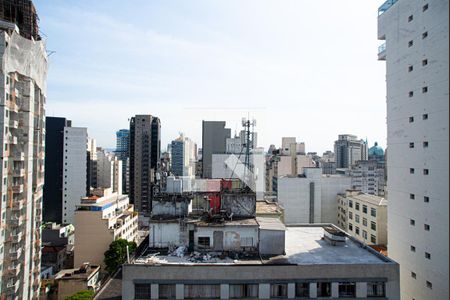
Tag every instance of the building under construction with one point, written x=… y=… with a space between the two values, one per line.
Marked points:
x=23 y=14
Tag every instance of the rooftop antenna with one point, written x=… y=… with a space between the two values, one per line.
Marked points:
x=246 y=123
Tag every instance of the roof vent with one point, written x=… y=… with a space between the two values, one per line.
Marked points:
x=334 y=236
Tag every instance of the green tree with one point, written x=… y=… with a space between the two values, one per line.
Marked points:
x=82 y=295
x=117 y=254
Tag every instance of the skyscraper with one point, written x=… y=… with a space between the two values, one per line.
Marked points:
x=348 y=150
x=214 y=136
x=416 y=55
x=183 y=156
x=145 y=152
x=123 y=153
x=22 y=122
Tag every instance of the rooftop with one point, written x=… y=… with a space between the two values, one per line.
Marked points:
x=371 y=199
x=304 y=245
x=267 y=207
x=83 y=272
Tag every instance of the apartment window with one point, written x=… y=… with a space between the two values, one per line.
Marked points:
x=357 y=205
x=425 y=117
x=429 y=285
x=426 y=227
x=426 y=199
x=302 y=289
x=350 y=203
x=424 y=62
x=350 y=226
x=203 y=241
x=412 y=222
x=373 y=239
x=411 y=145
x=364 y=209
x=142 y=291
x=350 y=215
x=357 y=230
x=357 y=218
x=411 y=119
x=425 y=7
x=410 y=68
x=411 y=170
x=278 y=290
x=427 y=255
x=373 y=212
x=347 y=289
x=424 y=35
x=373 y=225
x=364 y=221
x=410 y=18
x=410 y=94
x=324 y=289
x=364 y=234
x=410 y=43
x=413 y=275
x=425 y=89
x=412 y=248
x=376 y=289
x=425 y=144
x=412 y=196
x=426 y=171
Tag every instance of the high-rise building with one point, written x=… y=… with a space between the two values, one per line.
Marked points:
x=145 y=152
x=22 y=136
x=109 y=171
x=348 y=150
x=123 y=153
x=214 y=137
x=183 y=156
x=92 y=165
x=416 y=52
x=368 y=177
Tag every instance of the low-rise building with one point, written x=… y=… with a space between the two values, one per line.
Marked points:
x=363 y=216
x=319 y=261
x=100 y=220
x=71 y=281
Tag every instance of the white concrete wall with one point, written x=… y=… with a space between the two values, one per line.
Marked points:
x=74 y=172
x=230 y=235
x=330 y=187
x=395 y=28
x=164 y=234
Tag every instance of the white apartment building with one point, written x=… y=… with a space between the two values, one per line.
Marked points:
x=416 y=52
x=363 y=216
x=75 y=170
x=23 y=87
x=109 y=171
x=311 y=197
x=100 y=220
x=368 y=177
x=183 y=156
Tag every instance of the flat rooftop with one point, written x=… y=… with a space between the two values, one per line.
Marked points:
x=304 y=246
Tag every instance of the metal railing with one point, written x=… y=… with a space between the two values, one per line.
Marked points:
x=385 y=6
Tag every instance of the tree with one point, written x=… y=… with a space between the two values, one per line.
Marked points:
x=117 y=254
x=82 y=295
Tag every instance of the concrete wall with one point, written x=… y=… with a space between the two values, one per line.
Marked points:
x=239 y=204
x=271 y=242
x=163 y=235
x=234 y=237
x=172 y=208
x=331 y=186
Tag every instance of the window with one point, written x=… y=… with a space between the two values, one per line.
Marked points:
x=324 y=289
x=411 y=119
x=347 y=289
x=424 y=35
x=376 y=289
x=411 y=145
x=364 y=209
x=278 y=290
x=357 y=218
x=357 y=205
x=364 y=234
x=350 y=203
x=302 y=289
x=424 y=62
x=373 y=225
x=350 y=215
x=142 y=291
x=410 y=43
x=350 y=226
x=425 y=117
x=202 y=291
x=364 y=221
x=203 y=241
x=425 y=89
x=425 y=144
x=410 y=18
x=426 y=199
x=426 y=227
x=412 y=222
x=426 y=171
x=411 y=170
x=429 y=285
x=412 y=248
x=412 y=196
x=373 y=212
x=373 y=239
x=410 y=94
x=357 y=230
x=413 y=275
x=166 y=291
x=410 y=68
x=425 y=7
x=427 y=255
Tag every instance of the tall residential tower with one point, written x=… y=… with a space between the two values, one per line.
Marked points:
x=416 y=55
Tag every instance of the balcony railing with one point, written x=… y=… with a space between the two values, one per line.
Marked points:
x=385 y=6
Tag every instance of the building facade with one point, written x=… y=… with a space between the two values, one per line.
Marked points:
x=22 y=137
x=214 y=137
x=416 y=52
x=145 y=152
x=109 y=171
x=348 y=150
x=368 y=177
x=123 y=153
x=183 y=156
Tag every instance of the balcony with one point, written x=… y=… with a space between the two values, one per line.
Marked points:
x=17 y=188
x=14 y=269
x=12 y=106
x=19 y=156
x=382 y=52
x=17 y=237
x=385 y=6
x=12 y=140
x=15 y=253
x=17 y=221
x=18 y=172
x=14 y=124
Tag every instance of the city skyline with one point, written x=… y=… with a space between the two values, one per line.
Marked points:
x=208 y=62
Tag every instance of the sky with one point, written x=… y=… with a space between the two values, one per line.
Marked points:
x=306 y=69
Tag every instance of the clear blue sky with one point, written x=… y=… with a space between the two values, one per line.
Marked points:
x=307 y=69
